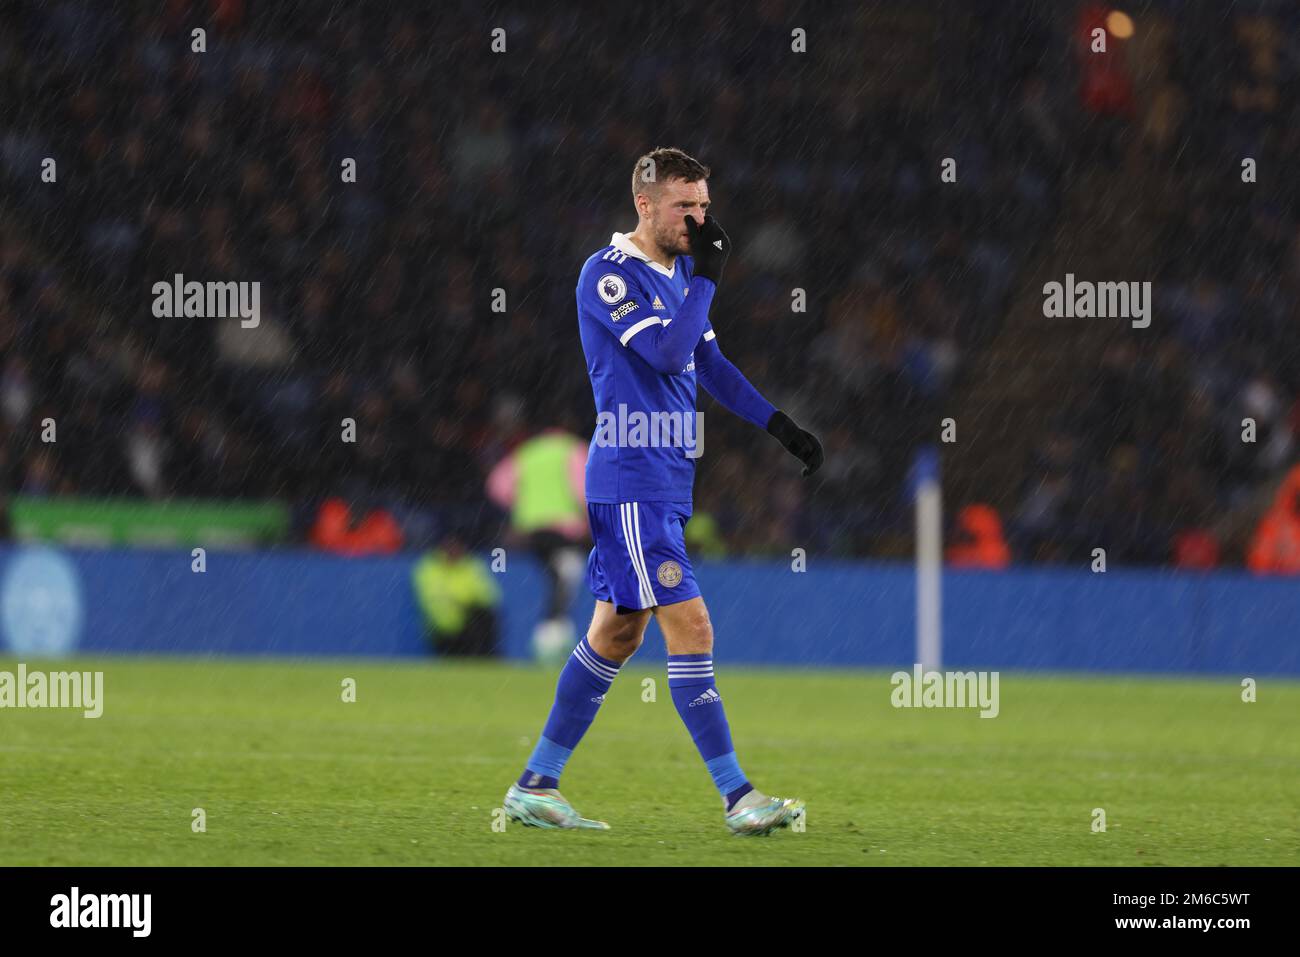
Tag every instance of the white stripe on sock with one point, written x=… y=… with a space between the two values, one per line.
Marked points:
x=594 y=666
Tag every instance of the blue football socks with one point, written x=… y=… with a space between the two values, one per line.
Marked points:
x=690 y=681
x=584 y=681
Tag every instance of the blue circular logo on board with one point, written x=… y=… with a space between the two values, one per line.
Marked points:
x=41 y=609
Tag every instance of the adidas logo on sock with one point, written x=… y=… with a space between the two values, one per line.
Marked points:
x=709 y=697
x=599 y=700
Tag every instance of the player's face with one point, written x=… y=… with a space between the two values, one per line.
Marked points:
x=676 y=201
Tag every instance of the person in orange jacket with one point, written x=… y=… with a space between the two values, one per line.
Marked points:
x=1275 y=547
x=979 y=541
x=376 y=534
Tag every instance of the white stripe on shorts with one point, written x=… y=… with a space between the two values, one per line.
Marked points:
x=632 y=534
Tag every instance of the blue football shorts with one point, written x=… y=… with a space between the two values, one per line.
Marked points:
x=639 y=559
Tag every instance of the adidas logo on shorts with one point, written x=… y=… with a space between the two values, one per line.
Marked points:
x=709 y=697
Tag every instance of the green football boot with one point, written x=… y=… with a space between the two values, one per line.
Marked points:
x=538 y=807
x=757 y=814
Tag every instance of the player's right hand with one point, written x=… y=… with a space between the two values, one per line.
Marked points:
x=710 y=247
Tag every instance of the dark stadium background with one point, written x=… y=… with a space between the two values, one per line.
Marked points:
x=478 y=172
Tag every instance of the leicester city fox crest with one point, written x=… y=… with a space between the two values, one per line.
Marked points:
x=670 y=574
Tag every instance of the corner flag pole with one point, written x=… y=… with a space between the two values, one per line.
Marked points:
x=929 y=559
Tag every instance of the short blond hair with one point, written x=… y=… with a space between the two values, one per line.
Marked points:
x=662 y=164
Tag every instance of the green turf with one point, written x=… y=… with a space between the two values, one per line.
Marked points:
x=410 y=774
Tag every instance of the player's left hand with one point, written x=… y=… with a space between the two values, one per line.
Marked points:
x=800 y=443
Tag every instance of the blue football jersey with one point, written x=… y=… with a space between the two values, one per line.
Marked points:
x=646 y=438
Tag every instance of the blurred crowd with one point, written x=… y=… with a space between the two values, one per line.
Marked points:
x=479 y=171
x=1180 y=450
x=475 y=172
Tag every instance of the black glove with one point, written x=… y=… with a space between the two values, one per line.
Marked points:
x=802 y=445
x=710 y=247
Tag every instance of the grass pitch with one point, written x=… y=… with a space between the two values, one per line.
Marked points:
x=411 y=773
